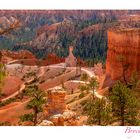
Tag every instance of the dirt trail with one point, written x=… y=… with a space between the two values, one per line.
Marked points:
x=42 y=72
x=95 y=92
x=14 y=94
x=57 y=80
x=12 y=112
x=71 y=105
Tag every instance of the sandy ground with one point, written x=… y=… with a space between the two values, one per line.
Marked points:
x=57 y=80
x=11 y=85
x=12 y=112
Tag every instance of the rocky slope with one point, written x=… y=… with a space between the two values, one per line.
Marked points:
x=123 y=52
x=11 y=85
x=54 y=31
x=27 y=58
x=55 y=15
x=23 y=54
x=6 y=23
x=51 y=59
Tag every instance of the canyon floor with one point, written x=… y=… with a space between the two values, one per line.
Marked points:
x=49 y=77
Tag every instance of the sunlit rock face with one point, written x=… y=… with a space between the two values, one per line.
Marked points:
x=70 y=60
x=67 y=118
x=56 y=101
x=123 y=50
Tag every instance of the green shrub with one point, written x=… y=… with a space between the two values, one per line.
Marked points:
x=8 y=101
x=81 y=95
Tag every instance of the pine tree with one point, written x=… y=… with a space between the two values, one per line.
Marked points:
x=84 y=77
x=124 y=104
x=93 y=84
x=36 y=104
x=98 y=111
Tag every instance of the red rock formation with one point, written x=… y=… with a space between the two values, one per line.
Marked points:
x=5 y=59
x=98 y=69
x=27 y=58
x=8 y=24
x=23 y=54
x=49 y=29
x=46 y=123
x=23 y=57
x=68 y=118
x=42 y=29
x=90 y=29
x=57 y=120
x=51 y=59
x=123 y=43
x=70 y=60
x=56 y=101
x=81 y=62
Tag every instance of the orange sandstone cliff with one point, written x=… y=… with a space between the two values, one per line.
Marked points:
x=123 y=43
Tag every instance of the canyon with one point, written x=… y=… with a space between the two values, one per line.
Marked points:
x=60 y=52
x=42 y=32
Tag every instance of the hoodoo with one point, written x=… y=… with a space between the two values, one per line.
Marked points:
x=70 y=60
x=123 y=54
x=56 y=101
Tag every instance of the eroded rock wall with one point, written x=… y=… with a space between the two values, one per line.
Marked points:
x=56 y=102
x=123 y=43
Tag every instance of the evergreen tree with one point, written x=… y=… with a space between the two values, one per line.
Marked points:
x=36 y=104
x=124 y=104
x=84 y=77
x=82 y=88
x=98 y=111
x=93 y=84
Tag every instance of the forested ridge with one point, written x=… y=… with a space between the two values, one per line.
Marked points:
x=85 y=30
